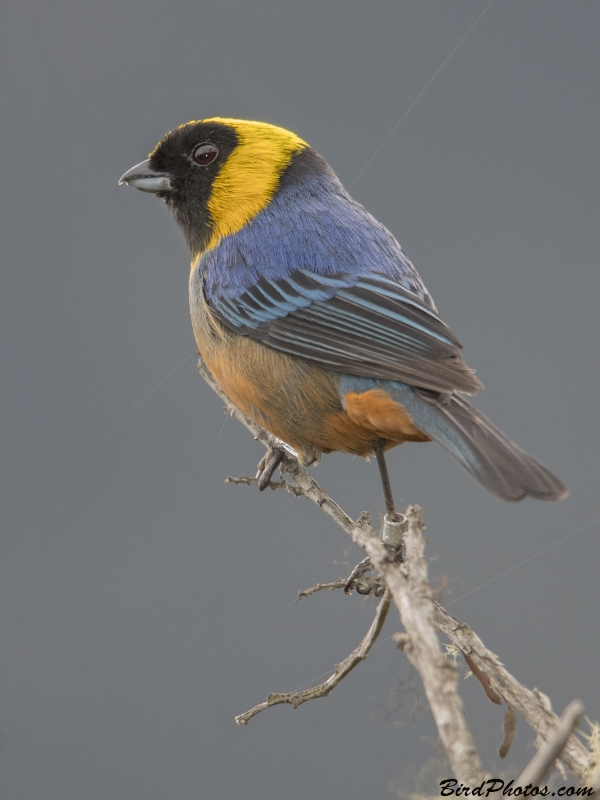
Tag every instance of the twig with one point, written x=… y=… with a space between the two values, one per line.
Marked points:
x=339 y=584
x=246 y=481
x=539 y=765
x=296 y=699
x=533 y=706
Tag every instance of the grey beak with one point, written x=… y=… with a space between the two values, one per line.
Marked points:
x=145 y=179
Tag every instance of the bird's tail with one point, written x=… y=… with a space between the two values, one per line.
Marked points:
x=483 y=450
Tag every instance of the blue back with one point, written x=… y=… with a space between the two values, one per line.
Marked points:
x=313 y=225
x=313 y=275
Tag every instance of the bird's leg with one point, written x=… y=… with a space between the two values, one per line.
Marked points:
x=268 y=464
x=378 y=446
x=391 y=534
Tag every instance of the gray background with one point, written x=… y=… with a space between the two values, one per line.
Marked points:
x=143 y=603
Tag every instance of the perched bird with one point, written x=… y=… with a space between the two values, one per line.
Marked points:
x=308 y=313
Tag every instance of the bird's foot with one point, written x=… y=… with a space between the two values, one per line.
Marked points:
x=359 y=580
x=268 y=464
x=371 y=584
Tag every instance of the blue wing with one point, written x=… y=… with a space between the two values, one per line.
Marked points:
x=364 y=324
x=317 y=277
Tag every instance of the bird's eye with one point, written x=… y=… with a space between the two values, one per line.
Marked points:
x=204 y=154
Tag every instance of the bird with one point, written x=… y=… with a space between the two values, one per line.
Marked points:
x=310 y=316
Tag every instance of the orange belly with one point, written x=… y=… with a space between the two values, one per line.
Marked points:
x=296 y=401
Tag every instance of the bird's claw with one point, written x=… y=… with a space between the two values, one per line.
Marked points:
x=356 y=575
x=370 y=584
x=268 y=464
x=363 y=583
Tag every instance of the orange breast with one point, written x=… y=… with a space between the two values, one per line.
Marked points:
x=298 y=402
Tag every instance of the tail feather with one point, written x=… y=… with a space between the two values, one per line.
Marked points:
x=483 y=450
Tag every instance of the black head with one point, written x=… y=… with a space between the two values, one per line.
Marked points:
x=217 y=174
x=192 y=157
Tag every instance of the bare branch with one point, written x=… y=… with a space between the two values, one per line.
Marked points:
x=533 y=705
x=339 y=584
x=246 y=481
x=359 y=654
x=412 y=594
x=539 y=765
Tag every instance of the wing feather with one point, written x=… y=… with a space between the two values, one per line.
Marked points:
x=363 y=324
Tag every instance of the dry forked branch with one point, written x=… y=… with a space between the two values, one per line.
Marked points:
x=408 y=586
x=342 y=669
